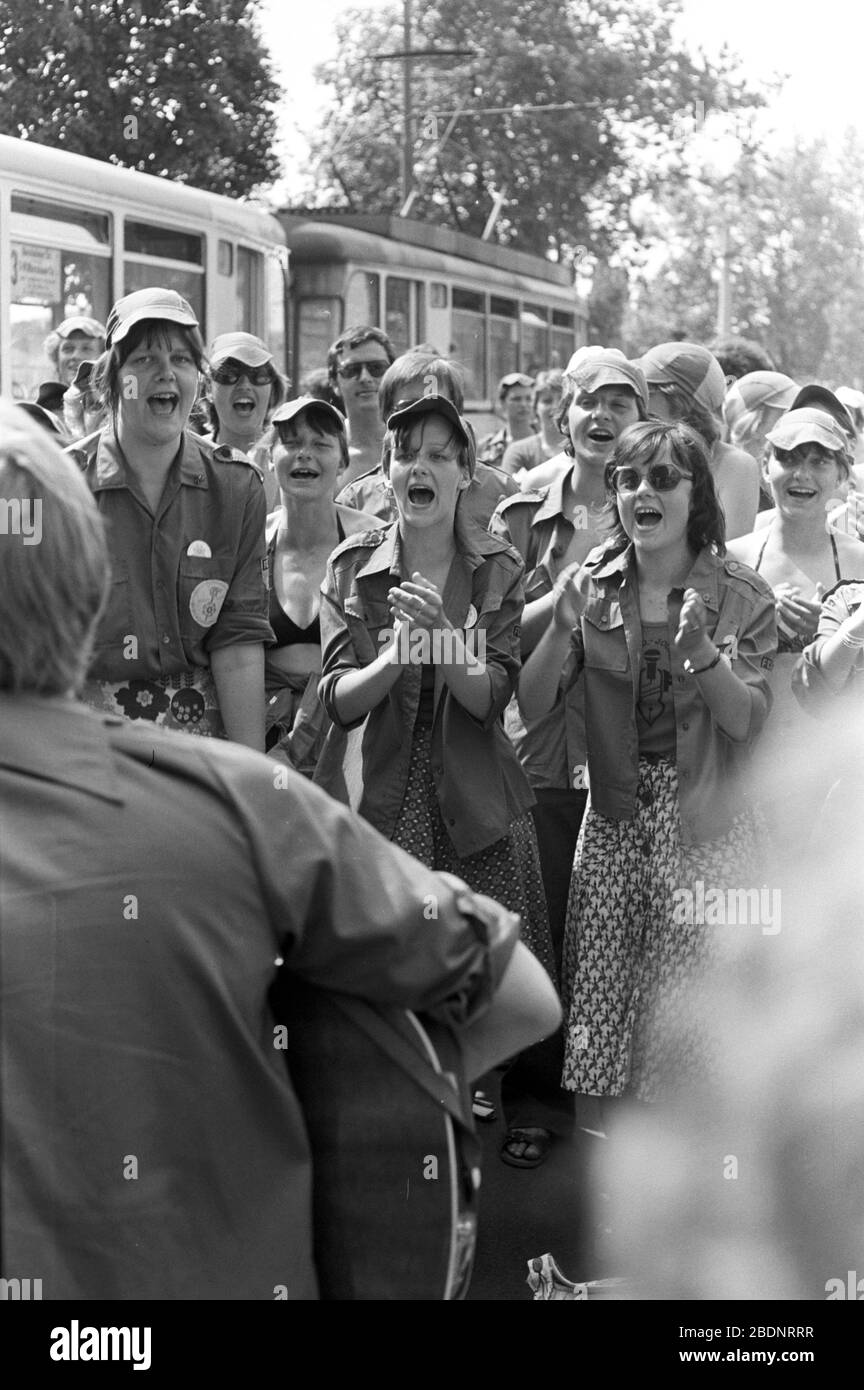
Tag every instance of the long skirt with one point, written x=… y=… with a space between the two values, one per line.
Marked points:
x=639 y=942
x=508 y=871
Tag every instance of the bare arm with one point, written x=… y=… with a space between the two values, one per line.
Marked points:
x=238 y=674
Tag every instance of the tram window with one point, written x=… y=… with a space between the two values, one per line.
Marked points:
x=503 y=308
x=437 y=295
x=535 y=339
x=503 y=348
x=60 y=266
x=561 y=319
x=363 y=299
x=469 y=348
x=250 y=266
x=397 y=313
x=318 y=324
x=225 y=258
x=469 y=299
x=142 y=275
x=142 y=239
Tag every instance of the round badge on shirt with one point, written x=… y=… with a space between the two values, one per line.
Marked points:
x=205 y=603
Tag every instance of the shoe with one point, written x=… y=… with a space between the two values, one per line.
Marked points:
x=483 y=1109
x=534 y=1144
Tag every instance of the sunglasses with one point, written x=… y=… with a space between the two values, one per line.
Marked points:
x=229 y=376
x=352 y=371
x=663 y=477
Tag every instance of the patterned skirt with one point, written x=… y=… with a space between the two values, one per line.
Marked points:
x=508 y=871
x=187 y=702
x=639 y=942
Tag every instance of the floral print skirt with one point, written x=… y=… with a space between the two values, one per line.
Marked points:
x=186 y=702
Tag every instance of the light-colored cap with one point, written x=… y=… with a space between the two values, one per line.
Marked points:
x=243 y=347
x=808 y=426
x=154 y=303
x=91 y=328
x=593 y=367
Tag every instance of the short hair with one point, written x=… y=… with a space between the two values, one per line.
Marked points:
x=317 y=383
x=739 y=356
x=447 y=379
x=278 y=392
x=688 y=411
x=319 y=419
x=552 y=380
x=106 y=374
x=638 y=446
x=570 y=389
x=354 y=337
x=51 y=346
x=399 y=437
x=51 y=591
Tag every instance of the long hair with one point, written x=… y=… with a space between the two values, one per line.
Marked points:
x=54 y=566
x=673 y=442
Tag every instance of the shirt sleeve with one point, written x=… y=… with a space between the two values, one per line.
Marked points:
x=338 y=651
x=356 y=914
x=503 y=629
x=243 y=616
x=756 y=647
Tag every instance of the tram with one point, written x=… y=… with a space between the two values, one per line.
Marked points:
x=76 y=234
x=493 y=309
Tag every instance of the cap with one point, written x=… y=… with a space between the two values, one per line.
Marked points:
x=43 y=416
x=755 y=390
x=514 y=379
x=593 y=367
x=50 y=395
x=808 y=426
x=691 y=367
x=91 y=328
x=289 y=409
x=823 y=399
x=438 y=405
x=243 y=347
x=148 y=304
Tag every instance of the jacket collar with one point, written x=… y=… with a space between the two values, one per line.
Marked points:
x=553 y=503
x=472 y=543
x=704 y=574
x=111 y=469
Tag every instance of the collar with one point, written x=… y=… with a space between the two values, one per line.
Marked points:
x=472 y=543
x=59 y=740
x=111 y=469
x=704 y=574
x=553 y=503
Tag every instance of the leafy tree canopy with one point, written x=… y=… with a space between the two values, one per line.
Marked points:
x=173 y=87
x=625 y=87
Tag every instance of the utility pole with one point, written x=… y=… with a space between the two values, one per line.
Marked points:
x=407 y=143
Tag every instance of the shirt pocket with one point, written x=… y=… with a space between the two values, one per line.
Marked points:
x=604 y=638
x=202 y=588
x=118 y=620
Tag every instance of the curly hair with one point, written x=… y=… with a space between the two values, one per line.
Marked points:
x=674 y=442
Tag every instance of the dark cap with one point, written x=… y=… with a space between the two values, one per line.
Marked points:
x=438 y=405
x=50 y=395
x=289 y=409
x=689 y=366
x=823 y=399
x=154 y=303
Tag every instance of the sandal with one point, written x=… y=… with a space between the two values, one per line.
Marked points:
x=538 y=1140
x=483 y=1109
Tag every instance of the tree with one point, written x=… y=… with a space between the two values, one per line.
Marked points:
x=795 y=223
x=611 y=85
x=174 y=87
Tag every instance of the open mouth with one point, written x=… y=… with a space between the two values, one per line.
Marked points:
x=163 y=402
x=601 y=436
x=303 y=473
x=420 y=496
x=802 y=493
x=647 y=517
x=243 y=407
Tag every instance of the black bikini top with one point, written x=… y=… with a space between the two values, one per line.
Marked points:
x=285 y=630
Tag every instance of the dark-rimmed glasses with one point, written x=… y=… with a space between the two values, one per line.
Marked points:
x=351 y=371
x=663 y=477
x=230 y=375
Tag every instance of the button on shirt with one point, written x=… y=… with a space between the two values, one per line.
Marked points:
x=480 y=785
x=605 y=660
x=151 y=889
x=169 y=609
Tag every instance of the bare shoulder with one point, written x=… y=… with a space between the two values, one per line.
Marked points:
x=732 y=461
x=850 y=553
x=745 y=549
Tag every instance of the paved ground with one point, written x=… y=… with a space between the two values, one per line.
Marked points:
x=529 y=1212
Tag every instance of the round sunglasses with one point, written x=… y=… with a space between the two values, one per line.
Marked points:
x=663 y=477
x=229 y=376
x=351 y=370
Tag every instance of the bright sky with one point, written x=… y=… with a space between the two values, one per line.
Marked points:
x=820 y=48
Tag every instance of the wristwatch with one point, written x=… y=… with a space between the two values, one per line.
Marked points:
x=700 y=670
